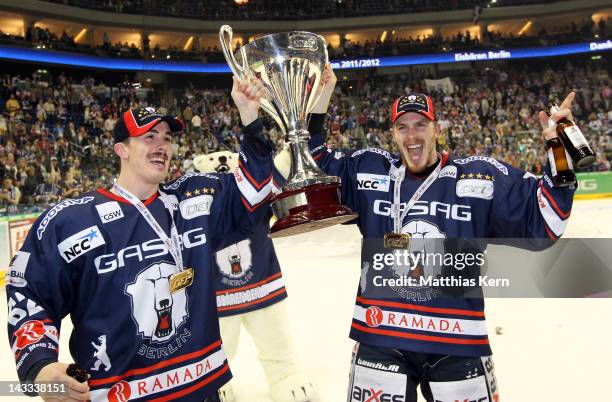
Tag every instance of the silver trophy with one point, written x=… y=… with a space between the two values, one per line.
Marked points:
x=290 y=66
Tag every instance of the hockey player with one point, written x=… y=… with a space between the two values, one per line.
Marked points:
x=133 y=267
x=439 y=343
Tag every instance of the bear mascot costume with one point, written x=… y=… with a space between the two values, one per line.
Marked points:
x=251 y=294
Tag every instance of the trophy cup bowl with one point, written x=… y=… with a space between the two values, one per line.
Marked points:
x=290 y=66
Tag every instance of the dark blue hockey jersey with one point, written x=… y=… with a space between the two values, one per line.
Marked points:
x=249 y=277
x=473 y=197
x=98 y=260
x=249 y=274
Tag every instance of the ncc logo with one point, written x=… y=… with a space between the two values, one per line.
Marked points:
x=373 y=182
x=80 y=243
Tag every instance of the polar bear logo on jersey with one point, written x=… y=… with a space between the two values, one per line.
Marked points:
x=426 y=239
x=157 y=312
x=235 y=260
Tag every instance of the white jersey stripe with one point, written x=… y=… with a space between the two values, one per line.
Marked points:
x=421 y=322
x=164 y=381
x=248 y=191
x=554 y=222
x=249 y=295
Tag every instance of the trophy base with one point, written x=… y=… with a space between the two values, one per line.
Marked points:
x=310 y=208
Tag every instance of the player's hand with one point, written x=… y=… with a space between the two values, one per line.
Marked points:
x=564 y=111
x=247 y=97
x=328 y=81
x=56 y=373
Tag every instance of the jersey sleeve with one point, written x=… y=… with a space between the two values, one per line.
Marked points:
x=332 y=162
x=40 y=287
x=246 y=192
x=525 y=206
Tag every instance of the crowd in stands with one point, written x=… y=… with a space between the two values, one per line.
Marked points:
x=393 y=45
x=462 y=41
x=283 y=10
x=56 y=133
x=492 y=113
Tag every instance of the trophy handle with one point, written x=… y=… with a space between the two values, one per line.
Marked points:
x=226 y=46
x=326 y=53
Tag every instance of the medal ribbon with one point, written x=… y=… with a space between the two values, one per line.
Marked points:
x=173 y=242
x=398 y=178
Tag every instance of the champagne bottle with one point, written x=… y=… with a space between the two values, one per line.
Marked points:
x=560 y=162
x=573 y=140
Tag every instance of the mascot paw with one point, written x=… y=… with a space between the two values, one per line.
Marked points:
x=294 y=388
x=227 y=393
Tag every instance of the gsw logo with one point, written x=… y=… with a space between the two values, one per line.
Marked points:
x=109 y=211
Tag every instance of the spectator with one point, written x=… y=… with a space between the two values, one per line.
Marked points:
x=30 y=185
x=54 y=171
x=10 y=168
x=47 y=193
x=72 y=188
x=109 y=123
x=9 y=196
x=13 y=105
x=196 y=124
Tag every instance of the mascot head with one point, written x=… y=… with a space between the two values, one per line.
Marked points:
x=225 y=161
x=219 y=162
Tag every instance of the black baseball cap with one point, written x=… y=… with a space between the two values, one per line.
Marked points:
x=136 y=122
x=418 y=103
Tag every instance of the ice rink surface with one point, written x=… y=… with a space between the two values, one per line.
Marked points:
x=551 y=350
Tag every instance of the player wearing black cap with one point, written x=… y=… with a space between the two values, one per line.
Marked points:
x=132 y=265
x=415 y=335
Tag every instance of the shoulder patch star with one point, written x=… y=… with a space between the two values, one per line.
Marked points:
x=205 y=190
x=462 y=176
x=471 y=175
x=196 y=192
x=212 y=190
x=188 y=194
x=479 y=176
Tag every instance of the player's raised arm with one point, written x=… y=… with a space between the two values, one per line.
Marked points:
x=247 y=190
x=528 y=207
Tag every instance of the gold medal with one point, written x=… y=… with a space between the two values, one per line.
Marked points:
x=397 y=240
x=181 y=280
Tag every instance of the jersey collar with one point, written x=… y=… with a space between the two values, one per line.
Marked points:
x=116 y=197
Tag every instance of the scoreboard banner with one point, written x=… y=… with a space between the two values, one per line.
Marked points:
x=594 y=185
x=81 y=60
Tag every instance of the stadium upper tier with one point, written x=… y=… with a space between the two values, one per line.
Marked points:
x=282 y=10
